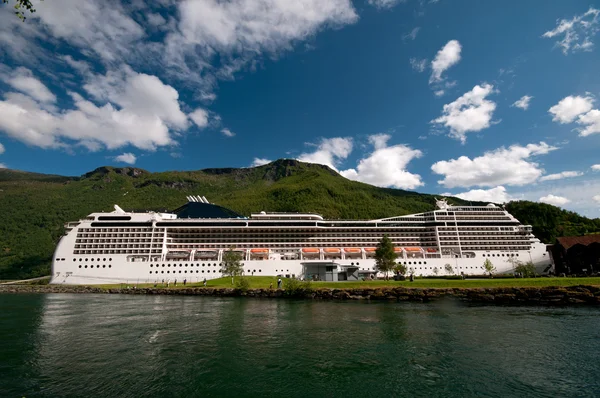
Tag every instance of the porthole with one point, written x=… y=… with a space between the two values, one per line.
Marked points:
x=185 y=272
x=110 y=259
x=202 y=271
x=214 y=271
x=80 y=266
x=163 y=265
x=151 y=265
x=86 y=266
x=259 y=270
x=74 y=259
x=168 y=272
x=150 y=271
x=103 y=259
x=196 y=271
x=86 y=259
x=109 y=266
x=169 y=265
x=203 y=264
x=424 y=262
x=104 y=266
x=181 y=265
x=162 y=272
x=186 y=265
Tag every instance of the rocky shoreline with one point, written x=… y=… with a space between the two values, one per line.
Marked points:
x=548 y=296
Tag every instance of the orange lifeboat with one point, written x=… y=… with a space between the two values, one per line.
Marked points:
x=351 y=250
x=310 y=250
x=370 y=249
x=412 y=249
x=259 y=251
x=397 y=249
x=331 y=250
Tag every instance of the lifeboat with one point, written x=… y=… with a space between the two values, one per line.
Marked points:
x=205 y=253
x=370 y=249
x=431 y=250
x=333 y=250
x=398 y=249
x=259 y=251
x=310 y=250
x=351 y=250
x=412 y=249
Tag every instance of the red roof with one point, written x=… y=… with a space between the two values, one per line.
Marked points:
x=569 y=241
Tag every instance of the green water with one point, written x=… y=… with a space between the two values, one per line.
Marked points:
x=130 y=346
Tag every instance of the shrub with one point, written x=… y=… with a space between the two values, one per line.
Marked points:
x=294 y=287
x=242 y=284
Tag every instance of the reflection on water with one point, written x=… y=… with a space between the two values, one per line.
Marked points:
x=111 y=345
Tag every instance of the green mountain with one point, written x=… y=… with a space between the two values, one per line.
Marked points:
x=35 y=206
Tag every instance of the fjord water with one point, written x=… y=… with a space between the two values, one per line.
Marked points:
x=129 y=346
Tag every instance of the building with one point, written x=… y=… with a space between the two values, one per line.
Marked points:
x=577 y=254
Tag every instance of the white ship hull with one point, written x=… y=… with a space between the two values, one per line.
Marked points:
x=153 y=247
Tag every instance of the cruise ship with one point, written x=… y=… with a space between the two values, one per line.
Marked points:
x=189 y=243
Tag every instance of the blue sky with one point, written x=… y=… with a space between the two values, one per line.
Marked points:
x=484 y=100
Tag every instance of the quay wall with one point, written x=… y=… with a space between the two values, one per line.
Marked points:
x=545 y=296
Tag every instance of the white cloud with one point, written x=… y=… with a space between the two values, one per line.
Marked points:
x=418 y=64
x=503 y=166
x=227 y=133
x=22 y=79
x=329 y=152
x=577 y=32
x=523 y=102
x=591 y=121
x=595 y=167
x=568 y=108
x=412 y=34
x=470 y=112
x=101 y=27
x=259 y=162
x=3 y=166
x=439 y=93
x=136 y=109
x=596 y=198
x=561 y=175
x=554 y=200
x=199 y=117
x=127 y=157
x=495 y=195
x=386 y=166
x=448 y=56
x=1 y=149
x=385 y=3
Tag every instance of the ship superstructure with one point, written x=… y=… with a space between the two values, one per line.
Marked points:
x=189 y=243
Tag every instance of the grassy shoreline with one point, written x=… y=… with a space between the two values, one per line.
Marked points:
x=263 y=282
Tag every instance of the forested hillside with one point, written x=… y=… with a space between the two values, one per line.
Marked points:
x=35 y=206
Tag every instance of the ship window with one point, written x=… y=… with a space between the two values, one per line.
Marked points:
x=80 y=266
x=180 y=271
x=202 y=271
x=86 y=259
x=74 y=259
x=163 y=265
x=203 y=264
x=104 y=266
x=150 y=271
x=109 y=266
x=86 y=266
x=214 y=271
x=162 y=272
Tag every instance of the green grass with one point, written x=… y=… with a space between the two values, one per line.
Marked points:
x=262 y=282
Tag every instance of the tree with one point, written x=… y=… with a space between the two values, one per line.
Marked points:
x=385 y=257
x=488 y=266
x=449 y=268
x=526 y=269
x=232 y=265
x=400 y=269
x=20 y=6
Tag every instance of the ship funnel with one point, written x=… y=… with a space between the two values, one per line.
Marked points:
x=205 y=201
x=119 y=210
